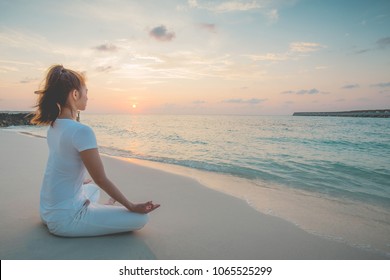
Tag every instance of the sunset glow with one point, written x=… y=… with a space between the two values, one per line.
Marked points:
x=201 y=57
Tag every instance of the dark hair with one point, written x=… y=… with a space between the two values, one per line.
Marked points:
x=58 y=84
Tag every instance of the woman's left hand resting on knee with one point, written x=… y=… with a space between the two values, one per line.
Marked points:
x=93 y=163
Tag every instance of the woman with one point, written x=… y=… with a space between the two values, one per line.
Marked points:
x=69 y=205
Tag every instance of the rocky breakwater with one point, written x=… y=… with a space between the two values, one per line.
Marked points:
x=14 y=118
x=385 y=113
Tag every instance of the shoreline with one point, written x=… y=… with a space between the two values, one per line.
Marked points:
x=175 y=187
x=315 y=213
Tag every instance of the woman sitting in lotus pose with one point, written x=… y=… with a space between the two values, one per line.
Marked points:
x=69 y=205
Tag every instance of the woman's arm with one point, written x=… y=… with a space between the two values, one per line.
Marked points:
x=93 y=163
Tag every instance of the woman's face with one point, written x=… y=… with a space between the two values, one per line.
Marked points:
x=81 y=103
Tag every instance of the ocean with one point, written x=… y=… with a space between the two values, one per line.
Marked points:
x=345 y=158
x=330 y=176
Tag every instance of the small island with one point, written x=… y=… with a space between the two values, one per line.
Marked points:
x=385 y=113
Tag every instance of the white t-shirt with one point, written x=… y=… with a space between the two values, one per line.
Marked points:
x=62 y=193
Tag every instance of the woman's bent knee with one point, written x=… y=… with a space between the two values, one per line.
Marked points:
x=142 y=220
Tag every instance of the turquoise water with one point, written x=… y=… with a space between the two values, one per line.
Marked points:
x=341 y=157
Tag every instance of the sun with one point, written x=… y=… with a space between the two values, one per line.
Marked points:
x=134 y=106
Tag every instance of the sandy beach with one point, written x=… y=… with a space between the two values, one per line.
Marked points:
x=194 y=222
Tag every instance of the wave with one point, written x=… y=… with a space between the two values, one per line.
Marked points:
x=322 y=177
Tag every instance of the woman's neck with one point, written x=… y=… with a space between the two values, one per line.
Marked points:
x=67 y=113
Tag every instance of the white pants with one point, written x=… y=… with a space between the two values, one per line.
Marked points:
x=95 y=219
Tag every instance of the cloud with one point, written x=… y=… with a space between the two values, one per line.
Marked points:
x=273 y=15
x=193 y=3
x=28 y=80
x=161 y=33
x=31 y=42
x=198 y=102
x=304 y=91
x=383 y=43
x=381 y=85
x=15 y=62
x=106 y=48
x=236 y=6
x=226 y=6
x=6 y=69
x=305 y=47
x=380 y=44
x=296 y=49
x=16 y=39
x=106 y=68
x=350 y=86
x=252 y=101
x=262 y=6
x=362 y=51
x=208 y=26
x=270 y=57
x=310 y=91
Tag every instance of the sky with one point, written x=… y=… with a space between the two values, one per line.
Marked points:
x=244 y=57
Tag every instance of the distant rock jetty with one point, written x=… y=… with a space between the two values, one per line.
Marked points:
x=359 y=113
x=14 y=118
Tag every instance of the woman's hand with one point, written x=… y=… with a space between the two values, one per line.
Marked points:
x=93 y=163
x=144 y=208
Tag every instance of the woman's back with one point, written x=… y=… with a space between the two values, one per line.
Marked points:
x=65 y=171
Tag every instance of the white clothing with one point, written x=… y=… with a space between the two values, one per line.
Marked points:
x=67 y=206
